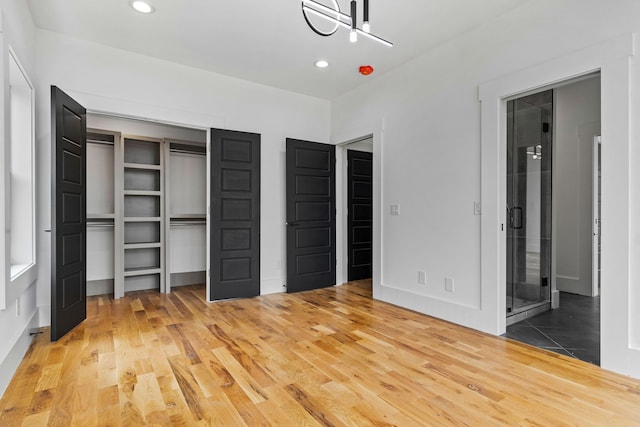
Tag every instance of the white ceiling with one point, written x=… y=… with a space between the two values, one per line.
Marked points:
x=265 y=41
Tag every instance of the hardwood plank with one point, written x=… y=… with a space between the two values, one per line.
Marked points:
x=327 y=357
x=318 y=410
x=36 y=420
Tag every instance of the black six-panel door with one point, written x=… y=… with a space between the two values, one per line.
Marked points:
x=68 y=214
x=235 y=218
x=311 y=215
x=359 y=223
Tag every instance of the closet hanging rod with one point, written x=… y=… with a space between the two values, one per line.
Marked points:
x=95 y=141
x=178 y=150
x=186 y=223
x=99 y=224
x=188 y=217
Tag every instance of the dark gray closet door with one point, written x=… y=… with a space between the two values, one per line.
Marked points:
x=311 y=215
x=68 y=214
x=360 y=219
x=235 y=214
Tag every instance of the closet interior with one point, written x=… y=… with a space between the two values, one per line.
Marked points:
x=146 y=206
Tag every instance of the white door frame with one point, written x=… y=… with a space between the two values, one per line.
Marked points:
x=342 y=220
x=612 y=59
x=374 y=130
x=596 y=220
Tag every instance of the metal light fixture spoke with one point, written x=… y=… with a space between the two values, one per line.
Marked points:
x=340 y=19
x=365 y=17
x=353 y=35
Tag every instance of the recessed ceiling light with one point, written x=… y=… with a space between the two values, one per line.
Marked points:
x=142 y=6
x=321 y=63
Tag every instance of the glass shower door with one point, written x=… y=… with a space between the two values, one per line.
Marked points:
x=529 y=121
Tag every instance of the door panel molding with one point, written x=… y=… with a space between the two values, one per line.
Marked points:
x=311 y=215
x=235 y=215
x=68 y=214
x=360 y=214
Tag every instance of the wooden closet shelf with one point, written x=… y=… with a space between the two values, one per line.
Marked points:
x=142 y=219
x=142 y=166
x=141 y=271
x=142 y=245
x=91 y=216
x=142 y=193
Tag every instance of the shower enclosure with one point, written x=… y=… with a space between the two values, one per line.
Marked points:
x=529 y=151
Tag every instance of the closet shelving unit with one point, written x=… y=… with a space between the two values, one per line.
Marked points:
x=102 y=205
x=185 y=208
x=133 y=225
x=142 y=214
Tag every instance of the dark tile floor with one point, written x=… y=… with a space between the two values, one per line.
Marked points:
x=572 y=330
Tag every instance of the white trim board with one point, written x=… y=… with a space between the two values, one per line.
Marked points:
x=10 y=363
x=375 y=131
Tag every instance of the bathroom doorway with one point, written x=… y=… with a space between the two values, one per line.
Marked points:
x=553 y=218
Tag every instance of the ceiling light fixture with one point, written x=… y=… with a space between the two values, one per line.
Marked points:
x=365 y=17
x=142 y=6
x=321 y=63
x=334 y=15
x=353 y=35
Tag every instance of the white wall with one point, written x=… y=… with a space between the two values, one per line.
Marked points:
x=110 y=80
x=576 y=122
x=426 y=121
x=16 y=30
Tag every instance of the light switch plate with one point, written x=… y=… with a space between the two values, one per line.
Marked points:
x=422 y=277
x=395 y=209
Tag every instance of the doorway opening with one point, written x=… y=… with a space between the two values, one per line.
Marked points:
x=553 y=218
x=357 y=199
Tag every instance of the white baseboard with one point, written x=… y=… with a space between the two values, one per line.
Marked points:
x=188 y=278
x=44 y=317
x=10 y=363
x=573 y=285
x=272 y=285
x=555 y=299
x=100 y=287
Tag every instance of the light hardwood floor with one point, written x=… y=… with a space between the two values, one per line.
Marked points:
x=329 y=357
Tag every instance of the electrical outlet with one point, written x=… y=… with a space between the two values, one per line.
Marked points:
x=448 y=284
x=422 y=277
x=476 y=208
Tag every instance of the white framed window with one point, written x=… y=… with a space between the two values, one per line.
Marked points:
x=21 y=212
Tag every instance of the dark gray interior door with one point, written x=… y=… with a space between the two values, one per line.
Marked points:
x=360 y=216
x=68 y=214
x=311 y=215
x=235 y=215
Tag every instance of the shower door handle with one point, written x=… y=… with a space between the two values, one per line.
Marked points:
x=517 y=225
